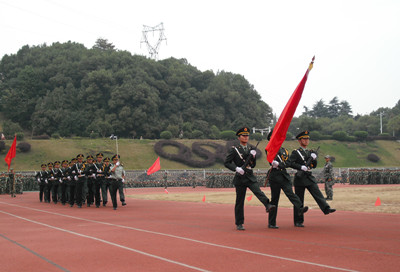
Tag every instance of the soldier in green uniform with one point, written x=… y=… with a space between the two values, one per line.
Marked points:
x=106 y=185
x=79 y=172
x=91 y=179
x=279 y=179
x=303 y=160
x=328 y=178
x=100 y=178
x=244 y=177
x=117 y=181
x=56 y=182
x=51 y=177
x=41 y=177
x=64 y=180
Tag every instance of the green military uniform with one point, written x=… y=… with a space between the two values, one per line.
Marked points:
x=117 y=181
x=41 y=177
x=77 y=187
x=244 y=178
x=328 y=178
x=106 y=184
x=302 y=160
x=279 y=179
x=100 y=177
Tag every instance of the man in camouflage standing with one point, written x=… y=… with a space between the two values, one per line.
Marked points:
x=328 y=178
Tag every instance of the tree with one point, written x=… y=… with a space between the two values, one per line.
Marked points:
x=319 y=110
x=333 y=108
x=394 y=125
x=103 y=44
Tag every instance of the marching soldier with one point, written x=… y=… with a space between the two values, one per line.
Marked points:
x=65 y=179
x=106 y=185
x=279 y=179
x=91 y=179
x=51 y=177
x=41 y=177
x=303 y=160
x=79 y=172
x=328 y=178
x=117 y=181
x=244 y=178
x=56 y=183
x=100 y=177
x=71 y=192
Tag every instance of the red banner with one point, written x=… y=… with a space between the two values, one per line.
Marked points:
x=279 y=133
x=11 y=153
x=155 y=167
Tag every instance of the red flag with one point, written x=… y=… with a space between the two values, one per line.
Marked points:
x=11 y=153
x=204 y=198
x=279 y=134
x=378 y=202
x=155 y=167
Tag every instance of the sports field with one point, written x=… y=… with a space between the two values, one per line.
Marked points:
x=152 y=233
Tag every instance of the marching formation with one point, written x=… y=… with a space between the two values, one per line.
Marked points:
x=79 y=182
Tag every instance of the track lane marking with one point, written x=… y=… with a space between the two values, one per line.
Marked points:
x=176 y=237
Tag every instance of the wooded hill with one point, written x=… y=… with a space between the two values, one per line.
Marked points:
x=68 y=90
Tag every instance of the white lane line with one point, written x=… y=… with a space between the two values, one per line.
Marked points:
x=193 y=240
x=109 y=243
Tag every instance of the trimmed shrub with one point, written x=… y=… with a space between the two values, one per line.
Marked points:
x=315 y=135
x=41 y=137
x=339 y=135
x=20 y=136
x=257 y=136
x=55 y=135
x=197 y=134
x=228 y=135
x=166 y=134
x=373 y=158
x=24 y=147
x=361 y=135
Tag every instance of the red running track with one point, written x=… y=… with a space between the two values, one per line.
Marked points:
x=149 y=235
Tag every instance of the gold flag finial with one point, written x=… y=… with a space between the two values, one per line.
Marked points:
x=311 y=64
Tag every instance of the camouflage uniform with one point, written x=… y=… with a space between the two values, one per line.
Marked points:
x=328 y=178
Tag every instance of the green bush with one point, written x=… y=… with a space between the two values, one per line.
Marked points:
x=339 y=136
x=94 y=135
x=166 y=134
x=24 y=147
x=55 y=135
x=315 y=135
x=361 y=135
x=289 y=136
x=373 y=157
x=257 y=136
x=20 y=136
x=228 y=135
x=197 y=134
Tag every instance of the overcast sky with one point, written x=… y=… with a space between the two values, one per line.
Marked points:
x=356 y=43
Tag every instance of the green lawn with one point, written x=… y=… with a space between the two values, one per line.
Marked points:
x=139 y=154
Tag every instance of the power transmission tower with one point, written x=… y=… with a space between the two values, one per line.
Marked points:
x=153 y=49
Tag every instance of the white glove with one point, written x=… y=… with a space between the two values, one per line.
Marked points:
x=253 y=152
x=240 y=171
x=69 y=178
x=123 y=180
x=304 y=168
x=38 y=179
x=76 y=178
x=46 y=181
x=117 y=164
x=314 y=156
x=73 y=172
x=275 y=164
x=99 y=171
x=60 y=180
x=93 y=175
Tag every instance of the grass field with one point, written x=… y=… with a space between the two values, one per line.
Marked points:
x=140 y=154
x=345 y=198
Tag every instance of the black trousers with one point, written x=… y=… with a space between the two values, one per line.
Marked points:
x=72 y=192
x=42 y=189
x=96 y=190
x=47 y=191
x=54 y=190
x=117 y=185
x=105 y=187
x=316 y=194
x=241 y=195
x=63 y=186
x=286 y=187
